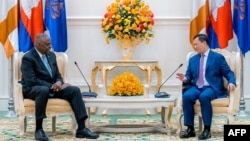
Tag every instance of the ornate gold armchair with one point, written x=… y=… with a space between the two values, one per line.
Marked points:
x=224 y=106
x=25 y=107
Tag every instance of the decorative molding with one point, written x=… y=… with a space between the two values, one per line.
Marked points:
x=159 y=21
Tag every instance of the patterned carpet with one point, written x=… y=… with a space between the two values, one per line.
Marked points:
x=9 y=128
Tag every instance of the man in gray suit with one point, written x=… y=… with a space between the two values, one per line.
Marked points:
x=204 y=75
x=41 y=80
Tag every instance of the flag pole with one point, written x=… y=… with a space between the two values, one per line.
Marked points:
x=242 y=106
x=11 y=112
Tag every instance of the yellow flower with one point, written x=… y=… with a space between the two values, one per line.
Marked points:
x=126 y=84
x=106 y=39
x=150 y=26
x=116 y=27
x=128 y=20
x=118 y=17
x=107 y=28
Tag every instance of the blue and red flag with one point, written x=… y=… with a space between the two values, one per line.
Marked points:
x=30 y=23
x=55 y=21
x=214 y=18
x=241 y=24
x=220 y=29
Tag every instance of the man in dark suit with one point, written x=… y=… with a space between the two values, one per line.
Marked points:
x=206 y=84
x=41 y=81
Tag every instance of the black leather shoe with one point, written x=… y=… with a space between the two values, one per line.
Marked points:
x=205 y=135
x=40 y=135
x=86 y=133
x=188 y=133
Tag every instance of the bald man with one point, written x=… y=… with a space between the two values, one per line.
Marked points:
x=42 y=80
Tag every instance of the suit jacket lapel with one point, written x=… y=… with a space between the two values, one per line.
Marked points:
x=198 y=62
x=36 y=56
x=210 y=55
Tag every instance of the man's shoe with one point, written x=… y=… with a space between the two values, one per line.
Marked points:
x=188 y=133
x=205 y=135
x=86 y=133
x=40 y=135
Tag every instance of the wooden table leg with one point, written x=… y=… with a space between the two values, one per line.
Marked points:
x=94 y=89
x=168 y=114
x=104 y=81
x=159 y=77
x=105 y=111
x=93 y=78
x=105 y=72
x=148 y=81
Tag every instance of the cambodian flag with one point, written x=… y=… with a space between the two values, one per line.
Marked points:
x=220 y=30
x=55 y=21
x=241 y=24
x=30 y=23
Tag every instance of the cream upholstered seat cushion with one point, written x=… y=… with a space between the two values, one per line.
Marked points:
x=219 y=106
x=223 y=106
x=221 y=102
x=26 y=107
x=55 y=106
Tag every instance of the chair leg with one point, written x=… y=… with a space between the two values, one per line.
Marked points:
x=230 y=119
x=22 y=124
x=200 y=123
x=179 y=124
x=54 y=124
x=25 y=124
x=74 y=124
x=163 y=115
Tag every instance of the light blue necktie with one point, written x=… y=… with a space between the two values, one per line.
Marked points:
x=46 y=63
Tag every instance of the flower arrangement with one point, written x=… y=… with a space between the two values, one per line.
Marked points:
x=126 y=84
x=129 y=22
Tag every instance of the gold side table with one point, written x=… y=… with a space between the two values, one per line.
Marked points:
x=148 y=66
x=105 y=66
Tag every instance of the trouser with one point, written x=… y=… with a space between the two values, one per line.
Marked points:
x=205 y=95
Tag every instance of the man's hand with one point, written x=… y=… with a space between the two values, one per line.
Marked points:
x=181 y=77
x=56 y=87
x=231 y=87
x=65 y=85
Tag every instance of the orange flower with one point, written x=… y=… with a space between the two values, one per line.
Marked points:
x=126 y=84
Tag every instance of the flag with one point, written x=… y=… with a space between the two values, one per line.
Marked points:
x=55 y=21
x=30 y=23
x=8 y=26
x=220 y=29
x=199 y=19
x=241 y=24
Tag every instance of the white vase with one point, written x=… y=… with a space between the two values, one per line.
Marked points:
x=127 y=53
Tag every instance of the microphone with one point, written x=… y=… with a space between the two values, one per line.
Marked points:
x=164 y=94
x=90 y=93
